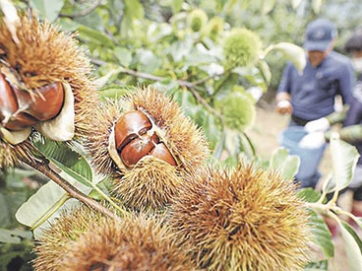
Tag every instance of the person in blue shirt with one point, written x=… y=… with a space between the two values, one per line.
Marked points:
x=351 y=131
x=311 y=94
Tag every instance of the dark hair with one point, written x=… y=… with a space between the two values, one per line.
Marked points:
x=354 y=43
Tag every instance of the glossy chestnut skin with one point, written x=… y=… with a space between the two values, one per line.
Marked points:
x=19 y=109
x=138 y=148
x=129 y=126
x=134 y=140
x=161 y=152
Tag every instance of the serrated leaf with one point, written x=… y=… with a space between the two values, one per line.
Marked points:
x=353 y=246
x=286 y=164
x=76 y=172
x=60 y=152
x=344 y=159
x=57 y=150
x=292 y=52
x=49 y=9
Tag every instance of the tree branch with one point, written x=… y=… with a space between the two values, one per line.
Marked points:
x=189 y=85
x=70 y=189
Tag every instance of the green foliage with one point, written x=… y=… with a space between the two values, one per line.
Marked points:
x=286 y=164
x=135 y=43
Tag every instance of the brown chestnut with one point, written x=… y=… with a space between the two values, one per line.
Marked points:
x=46 y=102
x=161 y=152
x=8 y=102
x=138 y=148
x=129 y=126
x=19 y=109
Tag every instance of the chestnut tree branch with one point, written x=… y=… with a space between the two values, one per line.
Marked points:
x=45 y=169
x=189 y=85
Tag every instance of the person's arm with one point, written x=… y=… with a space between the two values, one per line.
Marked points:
x=283 y=97
x=347 y=82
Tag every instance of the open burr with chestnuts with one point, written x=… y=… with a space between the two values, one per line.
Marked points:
x=147 y=145
x=44 y=87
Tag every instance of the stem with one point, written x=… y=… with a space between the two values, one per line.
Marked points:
x=70 y=189
x=51 y=211
x=95 y=187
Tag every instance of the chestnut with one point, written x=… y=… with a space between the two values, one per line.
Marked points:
x=161 y=152
x=8 y=102
x=137 y=149
x=45 y=104
x=19 y=109
x=129 y=126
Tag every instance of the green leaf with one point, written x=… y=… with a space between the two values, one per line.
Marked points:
x=95 y=36
x=62 y=153
x=353 y=246
x=285 y=164
x=176 y=5
x=49 y=9
x=265 y=71
x=322 y=235
x=113 y=91
x=45 y=201
x=344 y=159
x=133 y=10
x=309 y=194
x=291 y=52
x=72 y=173
x=123 y=55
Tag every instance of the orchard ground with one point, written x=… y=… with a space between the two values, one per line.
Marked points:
x=264 y=136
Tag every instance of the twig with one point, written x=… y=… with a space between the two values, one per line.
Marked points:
x=70 y=189
x=189 y=85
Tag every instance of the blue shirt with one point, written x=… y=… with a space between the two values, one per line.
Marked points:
x=354 y=116
x=313 y=91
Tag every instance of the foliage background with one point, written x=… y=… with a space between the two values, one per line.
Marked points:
x=134 y=43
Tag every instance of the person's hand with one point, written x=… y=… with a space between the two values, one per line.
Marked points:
x=318 y=125
x=284 y=107
x=313 y=140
